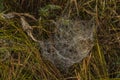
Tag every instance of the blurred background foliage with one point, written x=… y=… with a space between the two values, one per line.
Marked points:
x=1 y=5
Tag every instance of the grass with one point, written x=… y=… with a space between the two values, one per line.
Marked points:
x=25 y=62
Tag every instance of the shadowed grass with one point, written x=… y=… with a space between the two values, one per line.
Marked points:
x=24 y=61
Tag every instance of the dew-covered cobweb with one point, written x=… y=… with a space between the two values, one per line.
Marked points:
x=70 y=44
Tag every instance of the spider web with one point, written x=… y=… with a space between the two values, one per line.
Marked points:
x=70 y=44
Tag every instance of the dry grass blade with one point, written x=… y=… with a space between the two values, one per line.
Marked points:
x=27 y=28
